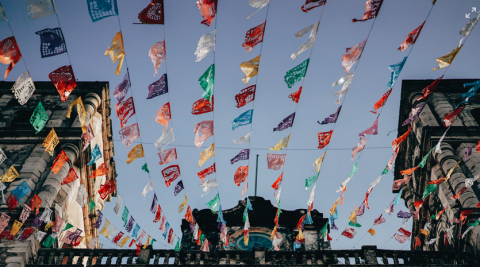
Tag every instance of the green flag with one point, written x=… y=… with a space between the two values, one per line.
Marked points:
x=354 y=170
x=213 y=204
x=49 y=241
x=296 y=74
x=125 y=216
x=476 y=223
x=202 y=238
x=324 y=231
x=428 y=190
x=153 y=240
x=354 y=224
x=91 y=205
x=385 y=171
x=424 y=160
x=245 y=212
x=145 y=168
x=206 y=82
x=68 y=226
x=39 y=118
x=177 y=247
x=311 y=180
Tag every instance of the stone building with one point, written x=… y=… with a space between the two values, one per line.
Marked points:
x=24 y=150
x=261 y=226
x=426 y=132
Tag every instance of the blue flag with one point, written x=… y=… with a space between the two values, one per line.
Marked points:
x=21 y=191
x=96 y=155
x=100 y=9
x=396 y=69
x=244 y=119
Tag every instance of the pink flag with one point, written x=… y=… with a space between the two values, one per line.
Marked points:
x=162 y=223
x=166 y=156
x=372 y=130
x=164 y=115
x=129 y=134
x=371 y=10
x=352 y=55
x=400 y=238
x=379 y=220
x=203 y=131
x=276 y=161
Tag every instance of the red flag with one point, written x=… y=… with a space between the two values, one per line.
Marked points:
x=170 y=234
x=189 y=215
x=202 y=174
x=324 y=139
x=445 y=239
x=254 y=36
x=240 y=175
x=459 y=193
x=10 y=53
x=430 y=88
x=295 y=96
x=463 y=215
x=411 y=38
x=418 y=203
x=417 y=242
x=381 y=102
x=71 y=176
x=300 y=222
x=452 y=116
x=117 y=237
x=59 y=161
x=166 y=156
x=170 y=174
x=311 y=4
x=101 y=170
x=365 y=201
x=245 y=96
x=349 y=232
x=64 y=80
x=278 y=182
x=125 y=110
x=12 y=203
x=397 y=184
x=400 y=238
x=371 y=10
x=107 y=188
x=208 y=9
x=153 y=13
x=352 y=55
x=405 y=232
x=132 y=242
x=437 y=181
x=409 y=171
x=35 y=203
x=202 y=106
x=379 y=220
x=276 y=161
x=478 y=147
x=164 y=115
x=396 y=143
x=158 y=215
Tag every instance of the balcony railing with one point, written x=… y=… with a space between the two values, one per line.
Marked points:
x=368 y=255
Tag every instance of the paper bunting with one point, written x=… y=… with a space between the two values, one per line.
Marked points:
x=349 y=232
x=162 y=223
x=170 y=174
x=107 y=188
x=91 y=205
x=10 y=175
x=240 y=175
x=100 y=9
x=244 y=190
x=2 y=187
x=354 y=224
x=295 y=96
x=96 y=155
x=332 y=118
x=396 y=69
x=105 y=229
x=135 y=153
x=148 y=188
x=4 y=219
x=117 y=238
x=164 y=140
x=276 y=161
x=39 y=118
x=40 y=8
x=379 y=220
x=452 y=116
x=324 y=139
x=346 y=81
x=203 y=131
x=242 y=140
x=311 y=4
x=87 y=137
x=318 y=162
x=205 y=46
x=468 y=28
x=140 y=237
x=353 y=54
x=208 y=9
x=283 y=143
x=371 y=231
x=158 y=214
x=207 y=81
x=244 y=119
x=381 y=102
x=371 y=10
x=81 y=113
x=257 y=4
x=157 y=55
x=125 y=110
x=404 y=215
x=202 y=106
x=372 y=130
x=254 y=36
x=21 y=191
x=285 y=123
x=122 y=89
x=159 y=87
x=52 y=42
x=245 y=96
x=459 y=193
x=10 y=54
x=311 y=180
x=131 y=221
x=23 y=87
x=206 y=154
x=310 y=41
x=242 y=155
x=202 y=174
x=400 y=238
x=353 y=216
x=145 y=168
x=449 y=174
x=26 y=234
x=430 y=88
x=178 y=188
x=116 y=50
x=415 y=113
x=101 y=170
x=213 y=204
x=428 y=190
x=250 y=68
x=129 y=134
x=166 y=156
x=16 y=227
x=424 y=160
x=25 y=213
x=81 y=196
x=153 y=13
x=40 y=235
x=296 y=74
x=35 y=203
x=446 y=60
x=411 y=38
x=396 y=143
x=182 y=206
x=361 y=145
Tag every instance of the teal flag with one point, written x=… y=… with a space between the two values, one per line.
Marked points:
x=213 y=204
x=428 y=190
x=354 y=170
x=206 y=82
x=385 y=171
x=296 y=74
x=354 y=224
x=145 y=168
x=311 y=180
x=125 y=216
x=424 y=160
x=39 y=118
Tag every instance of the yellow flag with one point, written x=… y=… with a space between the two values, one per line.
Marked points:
x=282 y=144
x=135 y=153
x=319 y=161
x=48 y=225
x=206 y=154
x=105 y=229
x=447 y=59
x=250 y=68
x=425 y=232
x=300 y=235
x=183 y=205
x=451 y=171
x=82 y=114
x=116 y=52
x=246 y=238
x=273 y=232
x=123 y=241
x=51 y=142
x=147 y=243
x=10 y=175
x=353 y=216
x=371 y=231
x=334 y=208
x=16 y=227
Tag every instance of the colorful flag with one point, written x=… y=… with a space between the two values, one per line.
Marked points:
x=208 y=186
x=23 y=87
x=311 y=4
x=167 y=156
x=107 y=188
x=130 y=133
x=203 y=131
x=295 y=96
x=254 y=36
x=213 y=204
x=396 y=143
x=10 y=54
x=468 y=28
x=415 y=113
x=178 y=188
x=371 y=231
x=52 y=42
x=371 y=10
x=452 y=116
x=242 y=155
x=208 y=9
x=96 y=155
x=245 y=96
x=100 y=9
x=202 y=174
x=250 y=68
x=21 y=190
x=428 y=190
x=159 y=87
x=372 y=130
x=346 y=81
x=101 y=170
x=244 y=119
x=206 y=45
x=445 y=61
x=396 y=69
x=283 y=143
x=310 y=41
x=64 y=80
x=153 y=13
x=10 y=175
x=404 y=215
x=361 y=145
x=381 y=102
x=353 y=54
x=257 y=4
x=240 y=175
x=135 y=153
x=332 y=118
x=379 y=220
x=164 y=115
x=206 y=154
x=157 y=55
x=40 y=8
x=349 y=232
x=430 y=88
x=39 y=118
x=319 y=161
x=115 y=50
x=297 y=73
x=82 y=114
x=246 y=139
x=25 y=213
x=125 y=110
x=324 y=139
x=411 y=38
x=285 y=123
x=278 y=182
x=202 y=106
x=276 y=161
x=170 y=174
x=400 y=238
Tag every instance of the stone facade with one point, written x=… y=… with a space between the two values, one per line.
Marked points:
x=426 y=133
x=24 y=150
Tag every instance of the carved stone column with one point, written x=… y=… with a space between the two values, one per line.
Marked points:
x=92 y=102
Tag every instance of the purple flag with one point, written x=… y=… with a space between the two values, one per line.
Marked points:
x=153 y=208
x=129 y=226
x=332 y=118
x=37 y=222
x=333 y=226
x=404 y=215
x=469 y=152
x=415 y=113
x=178 y=188
x=192 y=227
x=159 y=87
x=243 y=155
x=122 y=89
x=361 y=210
x=286 y=123
x=373 y=130
x=99 y=219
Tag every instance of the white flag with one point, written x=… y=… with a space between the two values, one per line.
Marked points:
x=346 y=81
x=437 y=147
x=23 y=88
x=209 y=185
x=206 y=45
x=469 y=27
x=278 y=196
x=242 y=140
x=118 y=205
x=164 y=140
x=312 y=195
x=310 y=41
x=258 y=4
x=148 y=188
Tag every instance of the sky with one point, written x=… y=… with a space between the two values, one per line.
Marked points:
x=87 y=42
